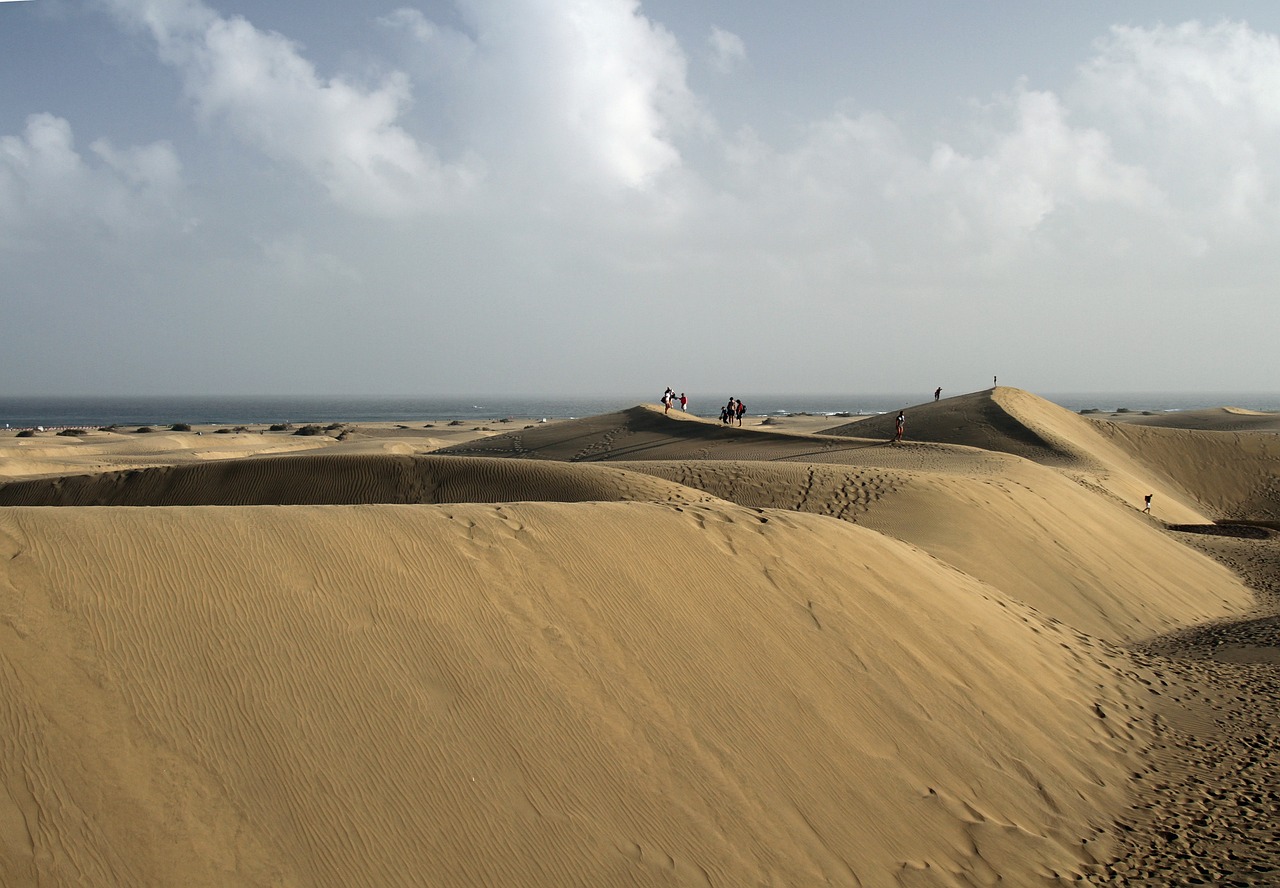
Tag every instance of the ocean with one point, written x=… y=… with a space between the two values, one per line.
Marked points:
x=61 y=412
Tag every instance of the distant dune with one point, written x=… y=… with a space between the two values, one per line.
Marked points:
x=633 y=649
x=990 y=420
x=1230 y=475
x=1216 y=419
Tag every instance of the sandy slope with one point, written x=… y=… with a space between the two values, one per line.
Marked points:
x=675 y=654
x=534 y=695
x=1229 y=475
x=1058 y=537
x=1009 y=420
x=343 y=478
x=1050 y=542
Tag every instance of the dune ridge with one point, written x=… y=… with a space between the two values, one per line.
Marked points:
x=988 y=420
x=1030 y=531
x=336 y=478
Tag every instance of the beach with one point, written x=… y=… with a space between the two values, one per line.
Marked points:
x=646 y=648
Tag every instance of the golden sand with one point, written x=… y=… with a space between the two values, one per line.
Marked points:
x=633 y=649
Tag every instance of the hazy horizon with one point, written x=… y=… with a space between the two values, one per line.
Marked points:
x=201 y=197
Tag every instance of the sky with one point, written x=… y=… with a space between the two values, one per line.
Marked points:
x=590 y=197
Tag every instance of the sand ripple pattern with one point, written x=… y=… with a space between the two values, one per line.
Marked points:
x=334 y=479
x=533 y=694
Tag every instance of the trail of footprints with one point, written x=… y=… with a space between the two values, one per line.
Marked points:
x=1207 y=811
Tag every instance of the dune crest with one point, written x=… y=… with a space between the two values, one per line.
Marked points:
x=333 y=478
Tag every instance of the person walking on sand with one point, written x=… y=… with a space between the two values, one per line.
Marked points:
x=684 y=403
x=899 y=426
x=739 y=410
x=1147 y=508
x=937 y=393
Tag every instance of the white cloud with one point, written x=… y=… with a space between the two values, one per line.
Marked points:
x=588 y=91
x=727 y=50
x=261 y=88
x=1188 y=76
x=857 y=196
x=1201 y=106
x=46 y=184
x=1157 y=161
x=1037 y=166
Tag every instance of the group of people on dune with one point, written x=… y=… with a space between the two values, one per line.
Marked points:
x=734 y=410
x=731 y=411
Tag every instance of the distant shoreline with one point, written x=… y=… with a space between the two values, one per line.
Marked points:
x=18 y=413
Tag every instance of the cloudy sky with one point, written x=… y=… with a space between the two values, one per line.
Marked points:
x=608 y=196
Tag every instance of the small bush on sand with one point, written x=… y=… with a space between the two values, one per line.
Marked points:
x=144 y=429
x=26 y=433
x=180 y=427
x=72 y=433
x=310 y=430
x=280 y=427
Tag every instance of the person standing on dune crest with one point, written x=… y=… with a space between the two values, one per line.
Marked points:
x=899 y=426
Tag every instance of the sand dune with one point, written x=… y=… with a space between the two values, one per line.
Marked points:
x=646 y=432
x=961 y=434
x=989 y=420
x=1229 y=475
x=334 y=478
x=49 y=453
x=1043 y=534
x=1033 y=533
x=650 y=650
x=1009 y=420
x=535 y=695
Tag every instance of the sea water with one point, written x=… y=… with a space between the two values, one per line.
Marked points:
x=61 y=412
